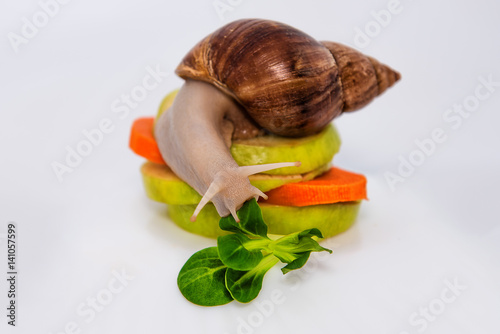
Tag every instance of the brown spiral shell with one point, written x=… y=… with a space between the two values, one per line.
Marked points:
x=289 y=83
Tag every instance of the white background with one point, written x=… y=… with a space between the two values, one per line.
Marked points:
x=439 y=225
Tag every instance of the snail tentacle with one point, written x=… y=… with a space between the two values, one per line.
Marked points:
x=211 y=192
x=254 y=169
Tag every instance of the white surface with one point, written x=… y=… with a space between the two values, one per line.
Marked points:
x=440 y=225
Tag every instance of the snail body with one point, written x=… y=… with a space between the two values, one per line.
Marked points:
x=252 y=76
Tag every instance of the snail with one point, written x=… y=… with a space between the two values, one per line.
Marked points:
x=250 y=77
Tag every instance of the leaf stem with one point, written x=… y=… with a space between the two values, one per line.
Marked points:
x=257 y=244
x=268 y=261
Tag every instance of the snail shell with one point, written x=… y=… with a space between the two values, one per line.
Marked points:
x=289 y=83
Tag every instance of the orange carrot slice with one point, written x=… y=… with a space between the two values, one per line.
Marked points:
x=142 y=140
x=334 y=186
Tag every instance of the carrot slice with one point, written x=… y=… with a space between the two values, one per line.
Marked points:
x=334 y=186
x=142 y=140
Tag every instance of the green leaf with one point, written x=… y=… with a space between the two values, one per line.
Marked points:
x=294 y=238
x=237 y=251
x=245 y=286
x=202 y=279
x=297 y=263
x=295 y=248
x=303 y=245
x=285 y=256
x=312 y=232
x=299 y=242
x=251 y=221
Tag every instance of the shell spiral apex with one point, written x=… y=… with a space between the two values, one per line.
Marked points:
x=289 y=83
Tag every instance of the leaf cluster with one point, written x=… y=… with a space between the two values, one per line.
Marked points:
x=235 y=269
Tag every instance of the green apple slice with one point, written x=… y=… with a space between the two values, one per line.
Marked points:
x=312 y=151
x=330 y=219
x=162 y=185
x=166 y=103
